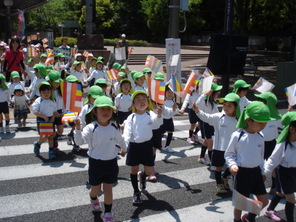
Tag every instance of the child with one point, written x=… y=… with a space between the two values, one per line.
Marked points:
x=31 y=72
x=123 y=101
x=15 y=80
x=137 y=134
x=93 y=63
x=241 y=89
x=45 y=109
x=244 y=155
x=139 y=79
x=224 y=124
x=191 y=99
x=77 y=71
x=61 y=66
x=102 y=136
x=115 y=87
x=98 y=73
x=21 y=107
x=207 y=103
x=54 y=78
x=4 y=99
x=103 y=84
x=170 y=108
x=271 y=131
x=43 y=58
x=40 y=73
x=283 y=159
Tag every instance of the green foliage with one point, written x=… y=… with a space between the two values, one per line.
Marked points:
x=71 y=41
x=111 y=42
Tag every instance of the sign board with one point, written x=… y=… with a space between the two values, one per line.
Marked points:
x=173 y=47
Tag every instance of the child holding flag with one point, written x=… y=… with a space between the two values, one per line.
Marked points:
x=137 y=134
x=283 y=159
x=40 y=74
x=139 y=79
x=102 y=136
x=244 y=156
x=46 y=110
x=224 y=125
x=98 y=73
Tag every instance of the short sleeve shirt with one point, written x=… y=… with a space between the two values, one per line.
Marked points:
x=16 y=65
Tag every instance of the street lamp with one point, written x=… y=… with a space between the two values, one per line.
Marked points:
x=8 y=4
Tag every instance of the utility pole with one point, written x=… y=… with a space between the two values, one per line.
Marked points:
x=174 y=19
x=89 y=17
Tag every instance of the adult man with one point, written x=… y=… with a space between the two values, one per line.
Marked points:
x=124 y=43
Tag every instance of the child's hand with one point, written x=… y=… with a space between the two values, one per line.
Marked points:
x=195 y=107
x=77 y=123
x=234 y=170
x=182 y=111
x=175 y=106
x=121 y=153
x=159 y=111
x=46 y=119
x=52 y=119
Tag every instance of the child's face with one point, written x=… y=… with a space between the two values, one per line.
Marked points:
x=55 y=85
x=36 y=73
x=254 y=126
x=243 y=93
x=215 y=94
x=125 y=88
x=18 y=93
x=169 y=94
x=104 y=114
x=99 y=66
x=78 y=67
x=91 y=100
x=140 y=81
x=43 y=59
x=140 y=103
x=16 y=80
x=93 y=62
x=229 y=108
x=45 y=94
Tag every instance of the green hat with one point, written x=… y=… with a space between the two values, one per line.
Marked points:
x=147 y=69
x=43 y=83
x=123 y=67
x=76 y=63
x=54 y=76
x=286 y=120
x=158 y=76
x=94 y=92
x=137 y=93
x=99 y=61
x=240 y=84
x=256 y=111
x=149 y=107
x=93 y=58
x=116 y=65
x=60 y=55
x=2 y=80
x=71 y=78
x=101 y=81
x=15 y=74
x=30 y=60
x=101 y=101
x=233 y=97
x=138 y=75
x=216 y=87
x=122 y=74
x=100 y=58
x=49 y=67
x=41 y=69
x=133 y=72
x=43 y=55
x=271 y=103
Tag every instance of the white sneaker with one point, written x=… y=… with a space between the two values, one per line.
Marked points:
x=1 y=129
x=168 y=149
x=203 y=161
x=7 y=129
x=190 y=141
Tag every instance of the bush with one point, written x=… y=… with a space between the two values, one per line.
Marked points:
x=111 y=42
x=71 y=41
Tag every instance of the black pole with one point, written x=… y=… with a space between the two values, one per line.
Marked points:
x=174 y=19
x=228 y=24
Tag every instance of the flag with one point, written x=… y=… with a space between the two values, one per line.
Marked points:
x=241 y=202
x=175 y=85
x=69 y=117
x=263 y=85
x=153 y=63
x=85 y=54
x=207 y=72
x=72 y=96
x=45 y=129
x=156 y=90
x=32 y=51
x=291 y=94
x=112 y=74
x=130 y=51
x=73 y=51
x=191 y=82
x=50 y=59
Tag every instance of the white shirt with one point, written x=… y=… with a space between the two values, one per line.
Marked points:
x=123 y=102
x=59 y=100
x=97 y=74
x=190 y=99
x=44 y=106
x=167 y=111
x=20 y=102
x=281 y=155
x=206 y=106
x=31 y=73
x=224 y=126
x=137 y=87
x=244 y=102
x=4 y=95
x=138 y=127
x=83 y=112
x=79 y=75
x=101 y=140
x=35 y=90
x=11 y=86
x=271 y=131
x=248 y=151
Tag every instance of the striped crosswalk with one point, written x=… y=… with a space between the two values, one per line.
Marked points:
x=37 y=189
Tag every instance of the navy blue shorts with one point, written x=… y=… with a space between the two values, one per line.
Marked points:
x=268 y=148
x=207 y=131
x=168 y=125
x=121 y=116
x=58 y=121
x=286 y=180
x=157 y=137
x=4 y=108
x=102 y=171
x=218 y=158
x=249 y=181
x=193 y=118
x=140 y=153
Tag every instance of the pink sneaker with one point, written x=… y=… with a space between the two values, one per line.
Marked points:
x=107 y=217
x=96 y=206
x=272 y=215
